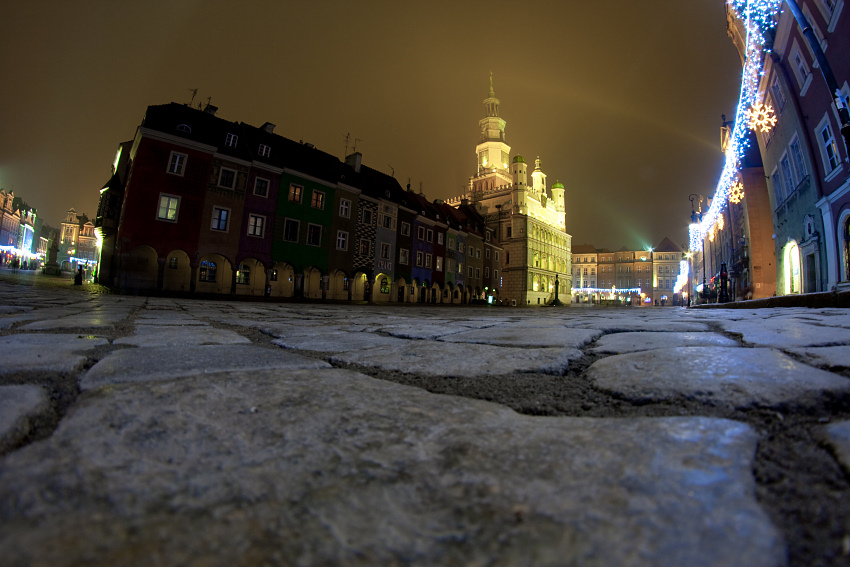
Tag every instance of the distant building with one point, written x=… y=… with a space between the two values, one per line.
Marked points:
x=77 y=243
x=528 y=220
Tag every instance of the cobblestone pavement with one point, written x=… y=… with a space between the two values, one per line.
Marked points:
x=145 y=431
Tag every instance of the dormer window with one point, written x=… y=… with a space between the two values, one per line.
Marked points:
x=265 y=150
x=184 y=128
x=231 y=140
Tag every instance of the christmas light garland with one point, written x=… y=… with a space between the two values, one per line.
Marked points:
x=759 y=16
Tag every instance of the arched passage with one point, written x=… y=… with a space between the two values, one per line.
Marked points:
x=250 y=277
x=358 y=287
x=177 y=274
x=282 y=280
x=337 y=286
x=215 y=274
x=312 y=283
x=139 y=270
x=791 y=268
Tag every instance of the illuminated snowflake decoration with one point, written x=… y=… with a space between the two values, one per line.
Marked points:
x=758 y=18
x=761 y=116
x=736 y=192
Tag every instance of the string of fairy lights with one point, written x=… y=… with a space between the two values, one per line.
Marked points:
x=758 y=16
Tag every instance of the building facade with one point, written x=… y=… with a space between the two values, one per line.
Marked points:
x=527 y=218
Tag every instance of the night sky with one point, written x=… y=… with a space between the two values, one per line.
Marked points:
x=621 y=100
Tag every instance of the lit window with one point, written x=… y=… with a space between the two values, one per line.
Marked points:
x=341 y=240
x=318 y=200
x=206 y=273
x=439 y=266
x=177 y=163
x=219 y=218
x=829 y=147
x=295 y=192
x=168 y=206
x=172 y=263
x=256 y=225
x=385 y=285
x=243 y=274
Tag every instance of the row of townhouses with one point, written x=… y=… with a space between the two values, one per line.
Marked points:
x=788 y=230
x=200 y=204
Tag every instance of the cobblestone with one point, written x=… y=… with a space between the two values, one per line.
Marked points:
x=651 y=436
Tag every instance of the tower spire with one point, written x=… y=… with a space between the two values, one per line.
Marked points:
x=492 y=92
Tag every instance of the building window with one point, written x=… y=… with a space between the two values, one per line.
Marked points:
x=420 y=233
x=273 y=276
x=509 y=232
x=405 y=229
x=367 y=217
x=290 y=230
x=420 y=257
x=345 y=208
x=295 y=192
x=341 y=240
x=265 y=150
x=828 y=147
x=206 y=273
x=497 y=256
x=496 y=275
x=788 y=177
x=365 y=247
x=477 y=273
x=385 y=285
x=507 y=258
x=226 y=178
x=427 y=260
x=318 y=200
x=439 y=265
x=798 y=159
x=385 y=251
x=230 y=140
x=478 y=252
x=777 y=187
x=404 y=256
x=460 y=268
x=261 y=187
x=801 y=69
x=487 y=253
x=439 y=238
x=469 y=271
x=243 y=274
x=486 y=272
x=168 y=206
x=219 y=218
x=177 y=164
x=471 y=251
x=430 y=237
x=778 y=93
x=314 y=235
x=256 y=225
x=172 y=263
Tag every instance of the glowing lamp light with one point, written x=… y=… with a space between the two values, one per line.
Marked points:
x=736 y=193
x=758 y=17
x=761 y=116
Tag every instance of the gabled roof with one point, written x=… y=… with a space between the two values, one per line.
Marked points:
x=667 y=245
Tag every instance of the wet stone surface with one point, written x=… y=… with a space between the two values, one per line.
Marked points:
x=176 y=431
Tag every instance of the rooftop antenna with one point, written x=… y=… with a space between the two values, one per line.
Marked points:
x=347 y=138
x=194 y=92
x=355 y=143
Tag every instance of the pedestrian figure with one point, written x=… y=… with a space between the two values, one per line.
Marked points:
x=78 y=279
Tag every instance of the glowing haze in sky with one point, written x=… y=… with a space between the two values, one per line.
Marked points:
x=621 y=100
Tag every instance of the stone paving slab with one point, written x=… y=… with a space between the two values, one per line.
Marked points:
x=431 y=358
x=741 y=377
x=783 y=334
x=838 y=435
x=336 y=342
x=525 y=336
x=623 y=324
x=619 y=343
x=45 y=352
x=19 y=404
x=834 y=357
x=147 y=335
x=170 y=363
x=95 y=319
x=334 y=468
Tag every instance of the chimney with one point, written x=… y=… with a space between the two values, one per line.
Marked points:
x=210 y=109
x=268 y=127
x=354 y=160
